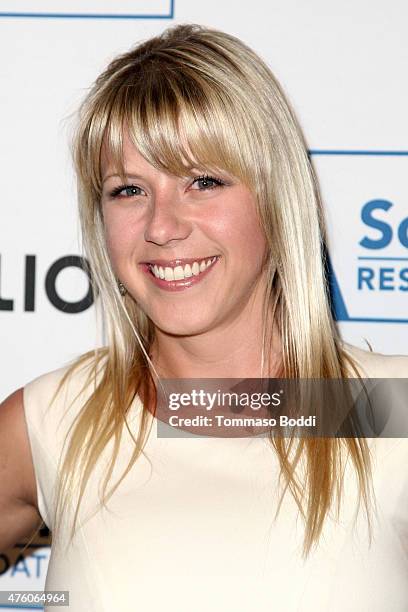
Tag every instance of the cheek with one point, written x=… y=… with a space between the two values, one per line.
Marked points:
x=114 y=243
x=247 y=238
x=120 y=235
x=256 y=245
x=255 y=253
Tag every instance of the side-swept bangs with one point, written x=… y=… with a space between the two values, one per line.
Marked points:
x=181 y=111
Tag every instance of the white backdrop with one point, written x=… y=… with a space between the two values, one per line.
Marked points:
x=344 y=68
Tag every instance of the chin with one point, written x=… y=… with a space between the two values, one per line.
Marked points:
x=186 y=327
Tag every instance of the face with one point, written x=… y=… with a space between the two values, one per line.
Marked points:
x=189 y=250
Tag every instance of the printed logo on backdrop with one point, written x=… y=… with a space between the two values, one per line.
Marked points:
x=89 y=9
x=66 y=283
x=25 y=567
x=366 y=203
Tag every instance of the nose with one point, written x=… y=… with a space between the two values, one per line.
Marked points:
x=166 y=221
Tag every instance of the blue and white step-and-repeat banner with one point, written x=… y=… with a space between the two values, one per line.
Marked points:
x=343 y=66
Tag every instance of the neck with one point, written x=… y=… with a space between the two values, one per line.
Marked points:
x=231 y=352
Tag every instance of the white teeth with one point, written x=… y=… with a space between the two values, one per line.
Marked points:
x=179 y=273
x=187 y=271
x=168 y=274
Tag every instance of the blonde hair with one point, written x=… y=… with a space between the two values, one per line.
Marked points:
x=194 y=95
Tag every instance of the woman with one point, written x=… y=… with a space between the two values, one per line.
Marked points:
x=203 y=228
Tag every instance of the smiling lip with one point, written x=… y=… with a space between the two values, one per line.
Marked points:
x=176 y=285
x=176 y=262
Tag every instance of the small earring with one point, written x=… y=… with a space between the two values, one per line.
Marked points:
x=122 y=288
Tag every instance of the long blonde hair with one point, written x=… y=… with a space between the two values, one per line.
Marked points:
x=196 y=95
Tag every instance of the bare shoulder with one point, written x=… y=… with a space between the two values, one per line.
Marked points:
x=31 y=441
x=377 y=365
x=16 y=466
x=18 y=493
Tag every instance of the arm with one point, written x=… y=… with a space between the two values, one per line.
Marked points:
x=19 y=516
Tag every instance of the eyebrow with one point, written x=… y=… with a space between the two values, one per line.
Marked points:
x=129 y=175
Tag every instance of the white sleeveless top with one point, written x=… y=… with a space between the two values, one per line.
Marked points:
x=191 y=528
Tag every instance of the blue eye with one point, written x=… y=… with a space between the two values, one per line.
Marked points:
x=126 y=191
x=207 y=182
